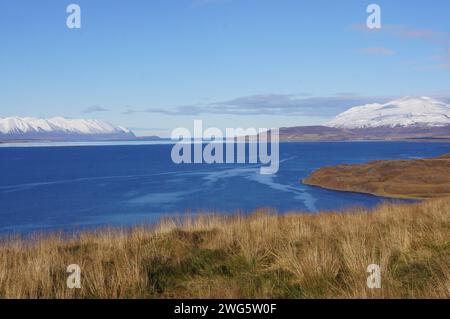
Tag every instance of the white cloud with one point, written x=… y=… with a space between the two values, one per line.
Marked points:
x=273 y=104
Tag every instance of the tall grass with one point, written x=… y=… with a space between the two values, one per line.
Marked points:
x=260 y=256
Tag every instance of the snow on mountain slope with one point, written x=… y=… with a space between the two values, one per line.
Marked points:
x=59 y=127
x=404 y=112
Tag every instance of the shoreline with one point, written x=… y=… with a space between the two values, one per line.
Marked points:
x=5 y=144
x=384 y=196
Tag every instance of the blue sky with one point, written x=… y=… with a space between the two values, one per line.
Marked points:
x=156 y=65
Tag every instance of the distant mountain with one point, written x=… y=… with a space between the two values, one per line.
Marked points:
x=60 y=128
x=315 y=133
x=422 y=112
x=324 y=133
x=405 y=118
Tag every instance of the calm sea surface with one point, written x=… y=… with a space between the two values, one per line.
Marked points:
x=84 y=186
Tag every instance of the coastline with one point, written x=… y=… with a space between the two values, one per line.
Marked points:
x=379 y=195
x=7 y=144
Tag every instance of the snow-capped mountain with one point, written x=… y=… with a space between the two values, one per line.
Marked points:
x=60 y=128
x=406 y=112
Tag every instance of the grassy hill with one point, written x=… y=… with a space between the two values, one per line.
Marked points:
x=261 y=256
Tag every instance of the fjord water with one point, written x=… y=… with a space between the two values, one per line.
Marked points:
x=76 y=187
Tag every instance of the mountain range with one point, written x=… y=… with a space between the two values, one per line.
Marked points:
x=404 y=118
x=60 y=128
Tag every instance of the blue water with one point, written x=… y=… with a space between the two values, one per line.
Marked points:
x=77 y=187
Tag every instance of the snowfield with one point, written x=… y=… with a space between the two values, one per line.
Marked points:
x=31 y=127
x=404 y=112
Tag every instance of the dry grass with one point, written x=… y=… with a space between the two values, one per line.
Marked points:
x=261 y=256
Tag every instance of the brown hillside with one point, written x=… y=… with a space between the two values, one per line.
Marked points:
x=423 y=178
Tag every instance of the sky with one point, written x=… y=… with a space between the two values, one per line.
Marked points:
x=154 y=65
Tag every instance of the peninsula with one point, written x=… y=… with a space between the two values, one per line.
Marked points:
x=415 y=179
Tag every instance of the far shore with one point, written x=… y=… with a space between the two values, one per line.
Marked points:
x=170 y=141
